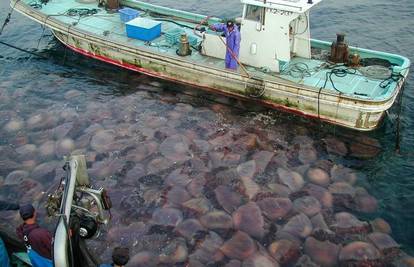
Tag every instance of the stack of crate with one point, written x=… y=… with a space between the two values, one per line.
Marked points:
x=192 y=40
x=173 y=36
x=127 y=14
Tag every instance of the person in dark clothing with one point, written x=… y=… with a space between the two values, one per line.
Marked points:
x=4 y=257
x=38 y=240
x=120 y=257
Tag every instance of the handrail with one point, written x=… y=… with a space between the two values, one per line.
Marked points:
x=61 y=239
x=168 y=11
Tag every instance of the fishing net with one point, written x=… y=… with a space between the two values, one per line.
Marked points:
x=376 y=72
x=375 y=62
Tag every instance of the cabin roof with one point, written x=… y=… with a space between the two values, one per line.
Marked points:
x=297 y=6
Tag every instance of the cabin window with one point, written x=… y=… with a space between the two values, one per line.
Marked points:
x=255 y=13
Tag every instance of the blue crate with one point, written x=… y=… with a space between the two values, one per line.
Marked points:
x=173 y=36
x=192 y=40
x=143 y=29
x=126 y=14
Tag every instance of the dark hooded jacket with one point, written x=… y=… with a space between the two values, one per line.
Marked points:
x=39 y=238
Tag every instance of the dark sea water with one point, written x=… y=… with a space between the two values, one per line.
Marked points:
x=139 y=113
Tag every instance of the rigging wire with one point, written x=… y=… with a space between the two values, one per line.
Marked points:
x=23 y=50
x=398 y=126
x=8 y=17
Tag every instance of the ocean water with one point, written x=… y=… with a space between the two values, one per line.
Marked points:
x=61 y=102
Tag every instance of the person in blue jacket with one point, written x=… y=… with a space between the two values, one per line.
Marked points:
x=233 y=38
x=120 y=257
x=4 y=257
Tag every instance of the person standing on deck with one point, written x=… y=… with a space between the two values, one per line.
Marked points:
x=37 y=240
x=233 y=38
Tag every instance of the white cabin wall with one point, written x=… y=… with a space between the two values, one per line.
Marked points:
x=272 y=41
x=301 y=37
x=213 y=47
x=265 y=47
x=280 y=31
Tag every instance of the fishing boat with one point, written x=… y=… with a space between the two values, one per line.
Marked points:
x=279 y=65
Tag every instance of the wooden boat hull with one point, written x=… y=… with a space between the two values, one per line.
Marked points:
x=332 y=107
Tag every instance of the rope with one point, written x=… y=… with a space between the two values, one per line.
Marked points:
x=172 y=21
x=6 y=21
x=23 y=50
x=33 y=4
x=398 y=136
x=338 y=72
x=319 y=97
x=8 y=17
x=202 y=22
x=81 y=12
x=65 y=47
x=394 y=77
x=73 y=24
x=298 y=70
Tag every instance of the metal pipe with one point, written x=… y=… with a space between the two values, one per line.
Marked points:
x=67 y=203
x=61 y=239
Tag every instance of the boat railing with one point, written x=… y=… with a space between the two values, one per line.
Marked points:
x=401 y=63
x=193 y=17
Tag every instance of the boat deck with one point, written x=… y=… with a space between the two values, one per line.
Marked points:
x=313 y=73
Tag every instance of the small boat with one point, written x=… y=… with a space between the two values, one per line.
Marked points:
x=279 y=65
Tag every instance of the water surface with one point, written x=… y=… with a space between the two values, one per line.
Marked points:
x=68 y=98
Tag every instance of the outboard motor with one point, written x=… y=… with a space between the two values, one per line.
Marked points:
x=339 y=49
x=80 y=210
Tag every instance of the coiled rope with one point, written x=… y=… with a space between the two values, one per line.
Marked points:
x=81 y=12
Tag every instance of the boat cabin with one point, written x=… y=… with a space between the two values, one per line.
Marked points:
x=272 y=33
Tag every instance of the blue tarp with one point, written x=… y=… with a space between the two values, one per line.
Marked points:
x=4 y=257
